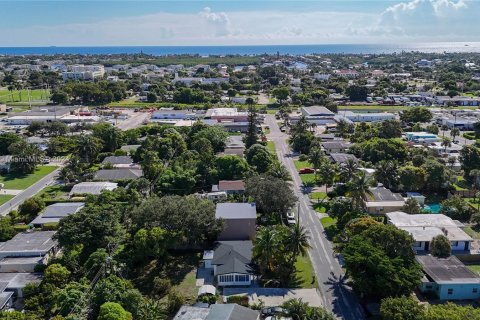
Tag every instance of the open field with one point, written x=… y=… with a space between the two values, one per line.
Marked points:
x=7 y=96
x=4 y=198
x=20 y=182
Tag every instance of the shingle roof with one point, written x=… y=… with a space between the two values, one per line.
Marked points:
x=118 y=160
x=384 y=194
x=236 y=211
x=342 y=157
x=38 y=241
x=233 y=257
x=233 y=185
x=117 y=174
x=231 y=312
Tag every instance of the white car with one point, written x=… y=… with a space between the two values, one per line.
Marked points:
x=291 y=218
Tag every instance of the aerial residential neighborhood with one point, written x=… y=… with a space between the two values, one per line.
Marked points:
x=263 y=186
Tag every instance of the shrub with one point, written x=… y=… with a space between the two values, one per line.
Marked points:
x=50 y=226
x=303 y=157
x=241 y=300
x=161 y=286
x=21 y=227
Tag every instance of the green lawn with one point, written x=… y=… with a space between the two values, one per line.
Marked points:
x=305 y=273
x=20 y=182
x=302 y=164
x=474 y=268
x=22 y=95
x=271 y=146
x=308 y=178
x=5 y=198
x=327 y=222
x=188 y=286
x=373 y=108
x=461 y=184
x=318 y=195
x=472 y=233
x=55 y=192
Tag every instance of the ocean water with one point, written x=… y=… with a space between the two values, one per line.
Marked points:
x=437 y=47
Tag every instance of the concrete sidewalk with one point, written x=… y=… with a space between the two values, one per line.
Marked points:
x=12 y=192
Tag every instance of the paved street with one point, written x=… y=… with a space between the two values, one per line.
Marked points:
x=336 y=296
x=134 y=120
x=29 y=192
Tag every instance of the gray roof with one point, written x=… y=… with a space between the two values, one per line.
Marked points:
x=130 y=147
x=235 y=142
x=336 y=144
x=18 y=280
x=118 y=160
x=192 y=313
x=316 y=111
x=447 y=270
x=384 y=194
x=92 y=187
x=33 y=242
x=4 y=298
x=118 y=174
x=233 y=257
x=62 y=209
x=231 y=312
x=342 y=157
x=236 y=211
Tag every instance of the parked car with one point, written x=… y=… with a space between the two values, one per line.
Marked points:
x=291 y=218
x=46 y=160
x=306 y=170
x=271 y=311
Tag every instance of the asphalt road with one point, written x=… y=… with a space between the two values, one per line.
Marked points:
x=135 y=120
x=29 y=192
x=336 y=295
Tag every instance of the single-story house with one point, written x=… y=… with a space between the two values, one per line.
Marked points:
x=231 y=262
x=94 y=188
x=240 y=220
x=423 y=227
x=16 y=282
x=117 y=174
x=53 y=213
x=230 y=186
x=336 y=146
x=28 y=244
x=228 y=311
x=118 y=161
x=340 y=158
x=448 y=278
x=383 y=200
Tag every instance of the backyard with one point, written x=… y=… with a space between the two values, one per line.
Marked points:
x=20 y=182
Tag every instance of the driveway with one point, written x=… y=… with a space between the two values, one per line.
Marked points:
x=273 y=297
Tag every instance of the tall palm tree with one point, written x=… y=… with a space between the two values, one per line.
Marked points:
x=454 y=133
x=87 y=148
x=386 y=172
x=279 y=171
x=297 y=242
x=359 y=190
x=316 y=158
x=265 y=247
x=446 y=142
x=328 y=172
x=444 y=129
x=348 y=170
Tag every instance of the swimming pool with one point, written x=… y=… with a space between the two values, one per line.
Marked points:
x=432 y=207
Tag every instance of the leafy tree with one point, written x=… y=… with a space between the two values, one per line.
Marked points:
x=151 y=243
x=59 y=97
x=152 y=97
x=174 y=214
x=440 y=246
x=259 y=157
x=401 y=308
x=231 y=167
x=30 y=208
x=381 y=262
x=390 y=129
x=435 y=174
x=386 y=173
x=281 y=93
x=412 y=178
x=113 y=311
x=6 y=229
x=25 y=157
x=411 y=206
x=416 y=114
x=451 y=311
x=456 y=208
x=271 y=195
x=357 y=93
x=470 y=160
x=217 y=135
x=7 y=139
x=378 y=149
x=115 y=289
x=111 y=137
x=57 y=275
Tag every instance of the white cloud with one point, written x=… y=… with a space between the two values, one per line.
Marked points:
x=415 y=20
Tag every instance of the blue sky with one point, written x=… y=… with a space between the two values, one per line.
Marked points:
x=227 y=22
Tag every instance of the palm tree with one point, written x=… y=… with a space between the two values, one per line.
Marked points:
x=348 y=170
x=279 y=171
x=297 y=242
x=359 y=190
x=87 y=148
x=444 y=129
x=446 y=142
x=454 y=133
x=475 y=174
x=66 y=175
x=386 y=172
x=328 y=173
x=296 y=309
x=265 y=247
x=316 y=158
